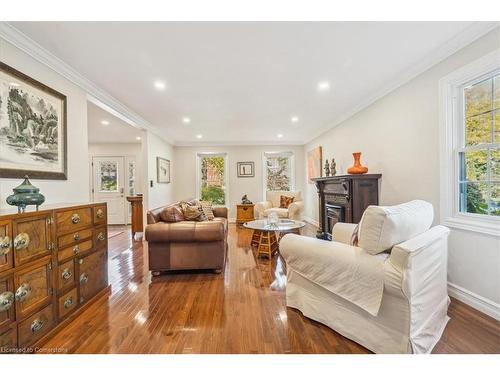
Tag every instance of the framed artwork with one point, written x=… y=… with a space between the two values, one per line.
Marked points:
x=162 y=170
x=246 y=168
x=314 y=163
x=32 y=128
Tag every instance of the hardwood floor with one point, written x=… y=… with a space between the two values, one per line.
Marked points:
x=241 y=310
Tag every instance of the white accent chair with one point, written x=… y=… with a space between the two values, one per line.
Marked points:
x=413 y=309
x=272 y=204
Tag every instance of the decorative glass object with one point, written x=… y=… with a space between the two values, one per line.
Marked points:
x=272 y=219
x=24 y=195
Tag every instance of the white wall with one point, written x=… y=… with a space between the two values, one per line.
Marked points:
x=185 y=171
x=76 y=188
x=398 y=136
x=160 y=194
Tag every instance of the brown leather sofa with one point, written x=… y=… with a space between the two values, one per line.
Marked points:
x=187 y=245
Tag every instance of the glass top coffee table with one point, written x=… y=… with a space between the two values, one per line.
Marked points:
x=266 y=236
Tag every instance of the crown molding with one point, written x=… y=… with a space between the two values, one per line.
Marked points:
x=229 y=144
x=95 y=94
x=459 y=41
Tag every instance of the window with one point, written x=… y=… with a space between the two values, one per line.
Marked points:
x=212 y=179
x=479 y=158
x=278 y=171
x=470 y=146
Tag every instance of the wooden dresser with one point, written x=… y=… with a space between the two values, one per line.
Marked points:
x=344 y=198
x=53 y=263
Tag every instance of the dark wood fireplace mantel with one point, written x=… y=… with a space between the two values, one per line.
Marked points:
x=344 y=199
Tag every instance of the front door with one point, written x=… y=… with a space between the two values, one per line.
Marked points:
x=108 y=186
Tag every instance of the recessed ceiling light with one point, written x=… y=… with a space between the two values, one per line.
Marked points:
x=138 y=138
x=294 y=119
x=199 y=136
x=105 y=122
x=160 y=85
x=324 y=86
x=186 y=120
x=279 y=135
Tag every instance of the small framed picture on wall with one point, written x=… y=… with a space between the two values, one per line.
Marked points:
x=162 y=170
x=246 y=168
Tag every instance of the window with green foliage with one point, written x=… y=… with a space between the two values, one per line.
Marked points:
x=479 y=157
x=212 y=178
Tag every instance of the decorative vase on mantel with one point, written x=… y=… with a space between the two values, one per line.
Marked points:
x=357 y=168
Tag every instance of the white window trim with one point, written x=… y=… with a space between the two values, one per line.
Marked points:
x=450 y=136
x=291 y=154
x=226 y=174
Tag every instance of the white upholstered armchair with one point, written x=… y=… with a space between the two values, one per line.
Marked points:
x=388 y=291
x=272 y=204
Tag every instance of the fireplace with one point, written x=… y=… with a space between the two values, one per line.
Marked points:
x=333 y=214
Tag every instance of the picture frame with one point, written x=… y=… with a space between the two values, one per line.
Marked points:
x=33 y=128
x=245 y=169
x=162 y=170
x=314 y=164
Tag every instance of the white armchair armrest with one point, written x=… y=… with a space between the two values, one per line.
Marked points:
x=295 y=210
x=342 y=232
x=260 y=207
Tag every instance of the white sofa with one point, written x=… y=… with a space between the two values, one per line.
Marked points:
x=389 y=293
x=272 y=204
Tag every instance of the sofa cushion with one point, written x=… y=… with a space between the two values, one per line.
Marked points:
x=171 y=214
x=382 y=227
x=281 y=212
x=187 y=231
x=285 y=201
x=192 y=212
x=274 y=196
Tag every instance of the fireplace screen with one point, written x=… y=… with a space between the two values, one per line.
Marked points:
x=333 y=214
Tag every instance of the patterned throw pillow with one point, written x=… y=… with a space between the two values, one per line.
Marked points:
x=285 y=201
x=207 y=209
x=354 y=236
x=192 y=213
x=172 y=214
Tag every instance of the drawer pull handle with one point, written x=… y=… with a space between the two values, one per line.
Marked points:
x=80 y=261
x=23 y=292
x=66 y=274
x=6 y=301
x=4 y=245
x=76 y=236
x=100 y=213
x=83 y=279
x=68 y=302
x=75 y=219
x=101 y=237
x=76 y=249
x=37 y=325
x=21 y=241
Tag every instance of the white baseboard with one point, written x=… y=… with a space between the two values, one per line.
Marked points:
x=474 y=300
x=231 y=220
x=310 y=221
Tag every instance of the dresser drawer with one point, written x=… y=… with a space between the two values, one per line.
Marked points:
x=66 y=275
x=31 y=238
x=6 y=257
x=338 y=187
x=73 y=238
x=7 y=302
x=99 y=214
x=8 y=340
x=68 y=252
x=92 y=274
x=33 y=287
x=34 y=327
x=67 y=303
x=100 y=237
x=72 y=220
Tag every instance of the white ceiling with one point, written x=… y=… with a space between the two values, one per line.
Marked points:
x=117 y=131
x=241 y=82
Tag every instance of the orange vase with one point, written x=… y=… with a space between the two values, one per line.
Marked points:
x=357 y=168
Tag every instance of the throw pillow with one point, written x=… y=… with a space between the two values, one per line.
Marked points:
x=192 y=213
x=285 y=201
x=171 y=214
x=207 y=209
x=354 y=236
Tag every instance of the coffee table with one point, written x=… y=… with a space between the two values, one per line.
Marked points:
x=267 y=236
